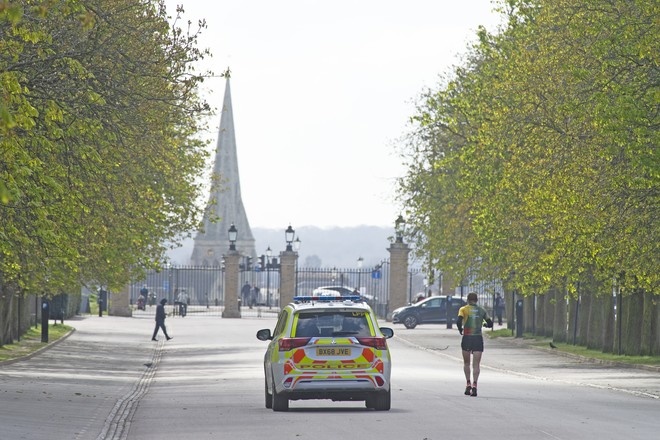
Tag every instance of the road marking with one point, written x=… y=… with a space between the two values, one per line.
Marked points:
x=118 y=422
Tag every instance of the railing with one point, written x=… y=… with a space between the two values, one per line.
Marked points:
x=203 y=287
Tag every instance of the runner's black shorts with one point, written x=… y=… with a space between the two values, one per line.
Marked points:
x=472 y=343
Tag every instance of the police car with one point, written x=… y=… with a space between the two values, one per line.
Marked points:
x=327 y=347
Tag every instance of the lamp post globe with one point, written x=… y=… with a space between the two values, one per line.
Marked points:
x=289 y=233
x=233 y=235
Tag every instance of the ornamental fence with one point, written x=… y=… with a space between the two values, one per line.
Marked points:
x=202 y=288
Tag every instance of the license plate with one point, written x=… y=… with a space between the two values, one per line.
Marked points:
x=333 y=351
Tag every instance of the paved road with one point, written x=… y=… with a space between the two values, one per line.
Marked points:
x=107 y=380
x=521 y=358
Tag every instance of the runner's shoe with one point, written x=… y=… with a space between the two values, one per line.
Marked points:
x=474 y=392
x=468 y=390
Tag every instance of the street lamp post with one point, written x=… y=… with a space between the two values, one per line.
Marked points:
x=296 y=248
x=360 y=260
x=232 y=287
x=269 y=252
x=170 y=283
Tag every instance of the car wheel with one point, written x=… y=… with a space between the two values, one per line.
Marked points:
x=382 y=401
x=269 y=397
x=410 y=321
x=280 y=401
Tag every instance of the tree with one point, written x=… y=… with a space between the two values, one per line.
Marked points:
x=537 y=161
x=99 y=157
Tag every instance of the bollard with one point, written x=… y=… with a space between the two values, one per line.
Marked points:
x=519 y=318
x=103 y=301
x=448 y=311
x=45 y=312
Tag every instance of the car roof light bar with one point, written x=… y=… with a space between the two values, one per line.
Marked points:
x=329 y=298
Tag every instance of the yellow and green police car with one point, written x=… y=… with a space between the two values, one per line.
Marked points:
x=327 y=347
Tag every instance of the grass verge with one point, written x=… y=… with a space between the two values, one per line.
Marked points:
x=31 y=342
x=544 y=342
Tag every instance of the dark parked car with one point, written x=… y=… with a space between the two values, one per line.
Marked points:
x=432 y=310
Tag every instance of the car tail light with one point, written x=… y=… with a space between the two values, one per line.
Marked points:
x=286 y=344
x=377 y=343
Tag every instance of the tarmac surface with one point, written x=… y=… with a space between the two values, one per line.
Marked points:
x=101 y=370
x=519 y=356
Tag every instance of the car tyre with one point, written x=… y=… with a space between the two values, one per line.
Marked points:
x=410 y=321
x=268 y=396
x=280 y=401
x=382 y=401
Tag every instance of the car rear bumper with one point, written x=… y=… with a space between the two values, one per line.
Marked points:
x=331 y=386
x=359 y=389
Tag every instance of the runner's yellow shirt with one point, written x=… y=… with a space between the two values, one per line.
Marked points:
x=473 y=319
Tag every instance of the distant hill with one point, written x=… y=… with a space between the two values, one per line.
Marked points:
x=334 y=247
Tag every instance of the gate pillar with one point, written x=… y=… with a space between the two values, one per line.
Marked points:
x=120 y=303
x=288 y=260
x=398 y=283
x=232 y=285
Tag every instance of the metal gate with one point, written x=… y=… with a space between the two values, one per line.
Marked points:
x=370 y=283
x=199 y=290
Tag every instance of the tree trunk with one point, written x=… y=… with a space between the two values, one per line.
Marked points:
x=574 y=311
x=609 y=324
x=648 y=325
x=583 y=320
x=540 y=314
x=633 y=310
x=596 y=323
x=7 y=316
x=529 y=313
x=510 y=310
x=656 y=328
x=560 y=325
x=549 y=315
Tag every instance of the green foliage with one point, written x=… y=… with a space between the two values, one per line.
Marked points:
x=537 y=161
x=99 y=155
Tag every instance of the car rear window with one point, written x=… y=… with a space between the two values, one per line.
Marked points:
x=332 y=323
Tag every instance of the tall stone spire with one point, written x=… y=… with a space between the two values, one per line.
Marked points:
x=225 y=202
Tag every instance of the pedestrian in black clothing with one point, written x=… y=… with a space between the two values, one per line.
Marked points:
x=245 y=294
x=160 y=320
x=499 y=308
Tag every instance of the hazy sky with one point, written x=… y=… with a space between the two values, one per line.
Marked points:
x=322 y=91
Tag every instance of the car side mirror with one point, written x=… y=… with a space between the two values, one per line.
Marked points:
x=264 y=334
x=387 y=332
